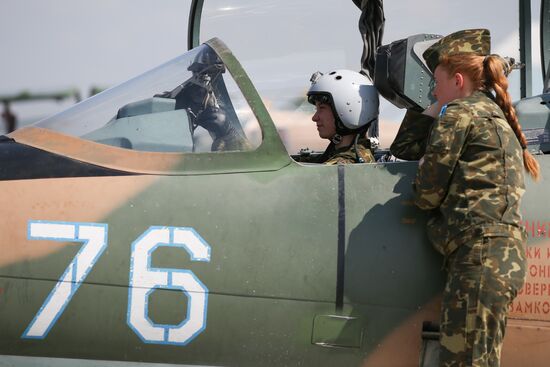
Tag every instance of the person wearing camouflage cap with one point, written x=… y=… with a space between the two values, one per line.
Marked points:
x=470 y=177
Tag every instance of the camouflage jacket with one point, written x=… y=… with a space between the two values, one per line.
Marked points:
x=471 y=175
x=410 y=141
x=343 y=155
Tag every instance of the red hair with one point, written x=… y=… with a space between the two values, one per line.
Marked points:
x=487 y=73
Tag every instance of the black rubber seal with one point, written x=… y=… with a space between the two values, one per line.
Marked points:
x=341 y=239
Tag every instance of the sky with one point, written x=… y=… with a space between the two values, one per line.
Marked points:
x=49 y=45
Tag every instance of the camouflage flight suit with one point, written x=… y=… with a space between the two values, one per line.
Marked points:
x=410 y=141
x=471 y=178
x=343 y=155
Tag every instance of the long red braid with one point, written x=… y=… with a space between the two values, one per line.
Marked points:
x=487 y=73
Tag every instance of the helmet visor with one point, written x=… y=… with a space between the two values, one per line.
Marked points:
x=322 y=98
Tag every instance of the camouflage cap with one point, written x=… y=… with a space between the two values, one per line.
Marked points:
x=477 y=41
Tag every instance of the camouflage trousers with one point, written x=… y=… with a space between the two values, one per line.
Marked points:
x=484 y=276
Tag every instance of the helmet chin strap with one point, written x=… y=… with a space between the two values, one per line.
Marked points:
x=336 y=139
x=342 y=131
x=358 y=159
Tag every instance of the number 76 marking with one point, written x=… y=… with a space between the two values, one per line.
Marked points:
x=144 y=279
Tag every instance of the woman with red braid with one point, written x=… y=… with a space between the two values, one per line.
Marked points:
x=471 y=178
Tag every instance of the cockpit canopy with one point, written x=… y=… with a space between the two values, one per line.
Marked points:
x=189 y=104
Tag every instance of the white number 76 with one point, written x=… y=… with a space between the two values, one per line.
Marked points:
x=144 y=279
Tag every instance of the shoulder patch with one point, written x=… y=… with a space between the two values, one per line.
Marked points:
x=443 y=110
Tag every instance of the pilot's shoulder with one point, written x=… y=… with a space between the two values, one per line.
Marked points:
x=366 y=154
x=350 y=156
x=341 y=158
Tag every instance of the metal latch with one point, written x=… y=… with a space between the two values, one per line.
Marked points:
x=335 y=331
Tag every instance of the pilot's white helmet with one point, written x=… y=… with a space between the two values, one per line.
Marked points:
x=351 y=95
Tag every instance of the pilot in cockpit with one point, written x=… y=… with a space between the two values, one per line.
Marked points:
x=346 y=105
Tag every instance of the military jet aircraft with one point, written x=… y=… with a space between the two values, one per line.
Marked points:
x=162 y=221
